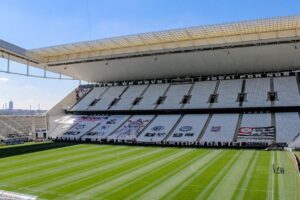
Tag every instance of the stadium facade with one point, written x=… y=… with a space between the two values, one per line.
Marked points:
x=234 y=84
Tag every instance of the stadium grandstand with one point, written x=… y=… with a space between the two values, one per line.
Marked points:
x=234 y=84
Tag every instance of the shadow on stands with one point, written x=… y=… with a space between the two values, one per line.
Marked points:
x=19 y=150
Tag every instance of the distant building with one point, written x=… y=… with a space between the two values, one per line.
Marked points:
x=11 y=105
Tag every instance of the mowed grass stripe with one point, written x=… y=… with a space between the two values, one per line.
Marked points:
x=87 y=180
x=243 y=183
x=146 y=182
x=226 y=187
x=121 y=170
x=32 y=158
x=168 y=185
x=213 y=181
x=47 y=164
x=155 y=174
x=85 y=168
x=60 y=168
x=276 y=180
x=43 y=188
x=137 y=173
x=80 y=166
x=259 y=181
x=290 y=178
x=178 y=190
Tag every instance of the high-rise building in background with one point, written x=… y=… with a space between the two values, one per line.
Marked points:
x=11 y=105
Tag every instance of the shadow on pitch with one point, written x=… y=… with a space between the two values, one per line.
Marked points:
x=19 y=150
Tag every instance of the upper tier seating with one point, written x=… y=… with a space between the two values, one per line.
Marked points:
x=287 y=91
x=105 y=128
x=200 y=94
x=188 y=129
x=287 y=126
x=131 y=128
x=228 y=91
x=159 y=129
x=174 y=96
x=221 y=128
x=85 y=102
x=150 y=97
x=257 y=92
x=108 y=97
x=128 y=97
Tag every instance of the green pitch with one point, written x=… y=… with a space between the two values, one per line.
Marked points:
x=61 y=171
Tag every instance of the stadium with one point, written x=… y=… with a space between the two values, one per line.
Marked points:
x=206 y=112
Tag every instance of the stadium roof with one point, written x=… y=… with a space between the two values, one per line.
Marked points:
x=239 y=47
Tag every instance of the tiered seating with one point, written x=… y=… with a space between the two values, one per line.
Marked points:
x=84 y=103
x=228 y=91
x=257 y=92
x=150 y=97
x=188 y=129
x=10 y=124
x=84 y=125
x=200 y=94
x=129 y=97
x=287 y=126
x=174 y=96
x=159 y=129
x=64 y=124
x=105 y=128
x=287 y=91
x=256 y=128
x=131 y=128
x=108 y=97
x=221 y=128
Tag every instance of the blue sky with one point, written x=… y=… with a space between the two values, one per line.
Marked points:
x=39 y=23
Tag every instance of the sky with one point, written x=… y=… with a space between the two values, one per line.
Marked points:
x=39 y=23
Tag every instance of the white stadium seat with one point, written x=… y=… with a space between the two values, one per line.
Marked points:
x=287 y=91
x=257 y=92
x=105 y=127
x=200 y=94
x=228 y=91
x=287 y=126
x=108 y=97
x=150 y=97
x=86 y=101
x=221 y=128
x=174 y=96
x=159 y=129
x=128 y=97
x=188 y=129
x=131 y=128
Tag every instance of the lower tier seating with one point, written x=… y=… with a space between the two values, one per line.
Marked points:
x=201 y=129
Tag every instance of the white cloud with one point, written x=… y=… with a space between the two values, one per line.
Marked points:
x=4 y=79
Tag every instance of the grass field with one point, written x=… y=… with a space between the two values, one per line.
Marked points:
x=85 y=171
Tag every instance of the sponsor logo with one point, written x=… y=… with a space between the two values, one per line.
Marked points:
x=80 y=126
x=185 y=128
x=157 y=128
x=257 y=131
x=215 y=129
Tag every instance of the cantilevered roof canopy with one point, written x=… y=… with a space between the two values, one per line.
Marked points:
x=256 y=45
